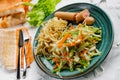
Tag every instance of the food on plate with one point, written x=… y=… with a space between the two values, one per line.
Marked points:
x=67 y=46
x=12 y=12
x=83 y=15
x=89 y=20
x=65 y=15
x=50 y=33
x=40 y=11
x=9 y=50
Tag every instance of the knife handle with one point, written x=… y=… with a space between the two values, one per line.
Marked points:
x=18 y=66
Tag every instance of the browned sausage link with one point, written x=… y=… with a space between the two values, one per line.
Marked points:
x=79 y=17
x=89 y=20
x=82 y=15
x=66 y=15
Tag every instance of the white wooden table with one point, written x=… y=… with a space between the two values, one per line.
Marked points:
x=111 y=65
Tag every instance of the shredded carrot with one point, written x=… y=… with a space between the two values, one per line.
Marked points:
x=55 y=59
x=65 y=59
x=65 y=54
x=72 y=28
x=64 y=38
x=60 y=43
x=81 y=54
x=79 y=26
x=80 y=36
x=76 y=38
x=70 y=60
x=56 y=66
x=94 y=41
x=57 y=54
x=70 y=44
x=74 y=43
x=84 y=51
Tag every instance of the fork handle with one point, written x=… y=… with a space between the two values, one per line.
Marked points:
x=24 y=74
x=25 y=63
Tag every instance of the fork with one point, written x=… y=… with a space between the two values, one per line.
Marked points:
x=26 y=39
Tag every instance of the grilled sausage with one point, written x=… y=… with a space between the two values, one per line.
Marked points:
x=82 y=15
x=66 y=15
x=89 y=20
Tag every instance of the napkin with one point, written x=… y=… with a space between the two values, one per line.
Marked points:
x=9 y=48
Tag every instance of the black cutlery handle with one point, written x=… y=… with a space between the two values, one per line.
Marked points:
x=18 y=66
x=24 y=74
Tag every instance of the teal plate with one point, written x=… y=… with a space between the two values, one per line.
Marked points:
x=101 y=20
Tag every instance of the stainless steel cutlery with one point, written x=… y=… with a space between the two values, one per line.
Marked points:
x=23 y=40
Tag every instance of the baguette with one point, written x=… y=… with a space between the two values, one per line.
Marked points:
x=12 y=12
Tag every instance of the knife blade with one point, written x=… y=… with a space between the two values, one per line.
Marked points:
x=20 y=45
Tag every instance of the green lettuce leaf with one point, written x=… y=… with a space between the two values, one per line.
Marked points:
x=40 y=11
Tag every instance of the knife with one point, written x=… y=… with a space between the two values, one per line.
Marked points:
x=20 y=45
